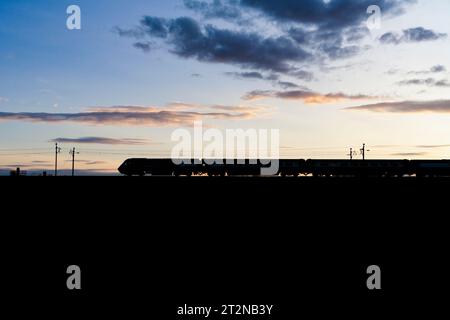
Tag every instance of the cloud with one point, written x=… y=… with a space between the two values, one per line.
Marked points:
x=245 y=75
x=89 y=162
x=215 y=9
x=330 y=43
x=133 y=115
x=429 y=82
x=331 y=15
x=186 y=38
x=288 y=85
x=308 y=97
x=326 y=27
x=3 y=99
x=420 y=34
x=438 y=68
x=273 y=78
x=154 y=26
x=304 y=32
x=137 y=33
x=31 y=165
x=346 y=67
x=435 y=106
x=433 y=146
x=144 y=46
x=302 y=75
x=240 y=109
x=434 y=69
x=336 y=52
x=393 y=71
x=356 y=34
x=102 y=140
x=21 y=165
x=412 y=35
x=409 y=154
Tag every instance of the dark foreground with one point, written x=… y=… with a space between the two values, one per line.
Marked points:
x=148 y=245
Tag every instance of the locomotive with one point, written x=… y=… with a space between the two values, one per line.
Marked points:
x=287 y=167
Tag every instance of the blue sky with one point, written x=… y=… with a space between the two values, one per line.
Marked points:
x=284 y=55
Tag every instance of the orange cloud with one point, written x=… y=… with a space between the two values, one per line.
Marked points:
x=174 y=115
x=308 y=97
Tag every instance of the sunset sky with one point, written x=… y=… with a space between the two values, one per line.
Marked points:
x=139 y=69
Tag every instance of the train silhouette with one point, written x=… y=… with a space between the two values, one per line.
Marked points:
x=288 y=167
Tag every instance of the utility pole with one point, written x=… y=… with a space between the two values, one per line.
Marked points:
x=73 y=153
x=352 y=153
x=57 y=150
x=363 y=151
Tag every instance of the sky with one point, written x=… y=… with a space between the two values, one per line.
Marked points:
x=321 y=72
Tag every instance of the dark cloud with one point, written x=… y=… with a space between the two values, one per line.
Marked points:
x=429 y=82
x=438 y=68
x=308 y=32
x=327 y=42
x=390 y=38
x=330 y=15
x=144 y=46
x=345 y=67
x=102 y=140
x=133 y=33
x=302 y=75
x=188 y=39
x=274 y=78
x=435 y=106
x=226 y=10
x=356 y=34
x=245 y=75
x=336 y=52
x=442 y=83
x=287 y=85
x=154 y=26
x=418 y=34
x=128 y=115
x=258 y=94
x=308 y=97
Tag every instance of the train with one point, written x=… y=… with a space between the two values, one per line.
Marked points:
x=286 y=167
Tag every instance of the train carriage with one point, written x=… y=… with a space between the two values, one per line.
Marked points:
x=358 y=168
x=289 y=167
x=292 y=167
x=431 y=168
